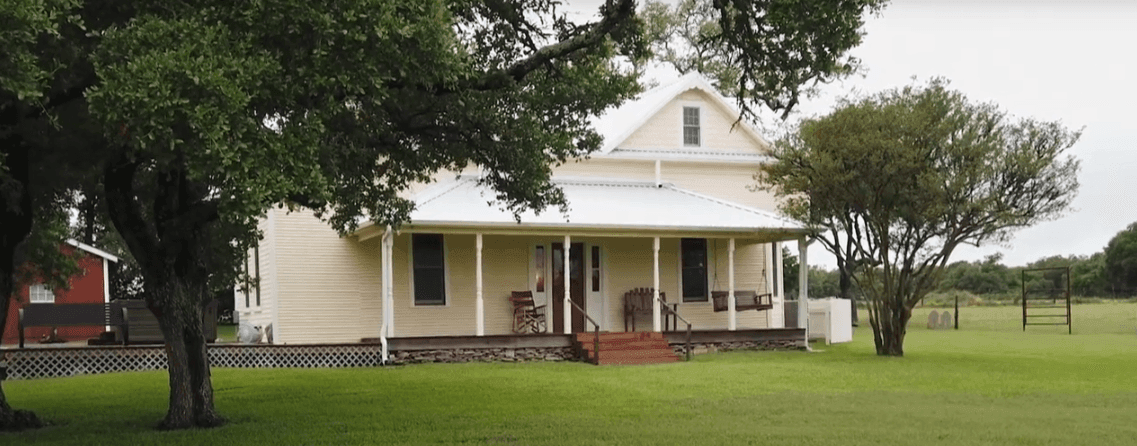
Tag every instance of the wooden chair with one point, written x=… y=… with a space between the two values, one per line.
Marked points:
x=638 y=302
x=743 y=300
x=527 y=316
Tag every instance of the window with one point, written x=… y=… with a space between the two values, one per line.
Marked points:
x=691 y=126
x=252 y=275
x=595 y=268
x=257 y=270
x=40 y=294
x=539 y=266
x=429 y=269
x=693 y=253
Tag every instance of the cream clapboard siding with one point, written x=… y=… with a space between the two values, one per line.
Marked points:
x=329 y=286
x=505 y=268
x=665 y=129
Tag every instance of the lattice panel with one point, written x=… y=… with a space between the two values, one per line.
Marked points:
x=50 y=363
x=294 y=356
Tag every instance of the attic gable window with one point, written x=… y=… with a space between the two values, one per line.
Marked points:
x=691 y=136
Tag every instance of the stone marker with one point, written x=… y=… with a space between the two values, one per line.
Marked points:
x=933 y=320
x=945 y=320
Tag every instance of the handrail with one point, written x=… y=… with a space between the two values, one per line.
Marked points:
x=687 y=347
x=596 y=336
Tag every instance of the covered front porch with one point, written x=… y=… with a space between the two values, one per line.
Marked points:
x=450 y=273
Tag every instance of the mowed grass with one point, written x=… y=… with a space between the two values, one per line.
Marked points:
x=952 y=388
x=1096 y=318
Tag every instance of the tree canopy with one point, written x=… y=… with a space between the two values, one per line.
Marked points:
x=199 y=116
x=912 y=173
x=1120 y=262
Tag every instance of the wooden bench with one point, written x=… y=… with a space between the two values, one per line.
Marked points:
x=71 y=315
x=743 y=300
x=144 y=328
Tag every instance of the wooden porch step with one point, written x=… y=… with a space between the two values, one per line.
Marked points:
x=626 y=348
x=610 y=336
x=628 y=345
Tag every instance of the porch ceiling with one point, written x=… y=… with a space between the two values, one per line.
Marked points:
x=600 y=207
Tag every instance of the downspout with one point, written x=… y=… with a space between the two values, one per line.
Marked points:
x=385 y=270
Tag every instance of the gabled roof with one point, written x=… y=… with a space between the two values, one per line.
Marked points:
x=618 y=124
x=92 y=250
x=598 y=204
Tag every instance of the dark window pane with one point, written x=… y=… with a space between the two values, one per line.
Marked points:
x=691 y=116
x=595 y=268
x=427 y=250
x=694 y=285
x=429 y=270
x=539 y=265
x=694 y=259
x=429 y=286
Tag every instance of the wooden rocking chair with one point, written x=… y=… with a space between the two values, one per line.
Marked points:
x=527 y=317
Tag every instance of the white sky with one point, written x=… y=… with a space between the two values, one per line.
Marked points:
x=1070 y=61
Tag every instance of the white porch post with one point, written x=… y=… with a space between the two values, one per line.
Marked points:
x=655 y=310
x=730 y=305
x=387 y=244
x=479 y=305
x=567 y=313
x=803 y=288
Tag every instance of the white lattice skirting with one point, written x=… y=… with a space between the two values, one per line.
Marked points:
x=57 y=362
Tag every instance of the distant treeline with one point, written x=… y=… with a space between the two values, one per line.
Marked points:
x=1110 y=273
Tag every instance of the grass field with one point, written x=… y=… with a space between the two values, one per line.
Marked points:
x=1098 y=318
x=992 y=387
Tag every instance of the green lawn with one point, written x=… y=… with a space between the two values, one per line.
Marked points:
x=965 y=387
x=1098 y=318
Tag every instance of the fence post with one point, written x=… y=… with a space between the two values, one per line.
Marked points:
x=957 y=311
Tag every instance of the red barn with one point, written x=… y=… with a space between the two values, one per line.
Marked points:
x=92 y=285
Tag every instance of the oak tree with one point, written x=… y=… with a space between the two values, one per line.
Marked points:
x=913 y=173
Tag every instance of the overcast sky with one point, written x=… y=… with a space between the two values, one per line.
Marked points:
x=1069 y=61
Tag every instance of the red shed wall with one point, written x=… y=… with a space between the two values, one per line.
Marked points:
x=86 y=287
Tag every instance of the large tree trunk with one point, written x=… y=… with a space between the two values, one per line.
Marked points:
x=16 y=218
x=889 y=330
x=179 y=310
x=173 y=253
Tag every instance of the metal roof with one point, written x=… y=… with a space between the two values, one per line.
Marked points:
x=598 y=204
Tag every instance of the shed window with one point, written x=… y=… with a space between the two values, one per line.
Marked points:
x=40 y=294
x=691 y=135
x=694 y=258
x=429 y=269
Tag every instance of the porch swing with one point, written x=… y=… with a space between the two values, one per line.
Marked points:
x=743 y=300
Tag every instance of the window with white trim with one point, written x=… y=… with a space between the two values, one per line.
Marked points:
x=429 y=270
x=693 y=258
x=40 y=294
x=691 y=133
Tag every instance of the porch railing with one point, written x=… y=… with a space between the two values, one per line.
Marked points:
x=596 y=333
x=687 y=346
